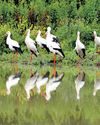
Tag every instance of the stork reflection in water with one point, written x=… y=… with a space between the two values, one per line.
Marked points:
x=96 y=83
x=79 y=83
x=13 y=79
x=30 y=83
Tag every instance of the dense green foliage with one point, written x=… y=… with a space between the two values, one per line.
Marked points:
x=65 y=17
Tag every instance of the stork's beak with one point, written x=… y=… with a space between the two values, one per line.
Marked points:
x=46 y=33
x=25 y=33
x=5 y=35
x=93 y=36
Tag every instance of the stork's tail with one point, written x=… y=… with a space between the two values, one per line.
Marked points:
x=18 y=50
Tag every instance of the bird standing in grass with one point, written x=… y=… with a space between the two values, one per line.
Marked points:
x=80 y=47
x=31 y=45
x=41 y=41
x=13 y=45
x=53 y=44
x=97 y=41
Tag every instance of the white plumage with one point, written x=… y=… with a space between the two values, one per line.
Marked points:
x=12 y=81
x=52 y=37
x=42 y=80
x=52 y=85
x=96 y=86
x=96 y=39
x=30 y=84
x=41 y=41
x=53 y=43
x=13 y=45
x=79 y=83
x=31 y=45
x=80 y=47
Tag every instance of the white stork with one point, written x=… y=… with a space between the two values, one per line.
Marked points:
x=13 y=80
x=52 y=85
x=53 y=44
x=79 y=83
x=31 y=45
x=96 y=84
x=96 y=40
x=80 y=47
x=41 y=41
x=41 y=80
x=13 y=45
x=30 y=84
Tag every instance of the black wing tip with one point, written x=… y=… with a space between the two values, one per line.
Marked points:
x=60 y=50
x=55 y=39
x=84 y=53
x=56 y=75
x=46 y=75
x=18 y=75
x=33 y=52
x=18 y=49
x=47 y=49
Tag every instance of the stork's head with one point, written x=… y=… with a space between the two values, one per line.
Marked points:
x=39 y=32
x=8 y=33
x=78 y=33
x=94 y=32
x=49 y=29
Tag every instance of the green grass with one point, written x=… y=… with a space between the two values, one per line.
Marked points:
x=71 y=58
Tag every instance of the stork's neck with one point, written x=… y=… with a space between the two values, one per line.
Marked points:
x=48 y=34
x=39 y=34
x=95 y=35
x=28 y=34
x=8 y=37
x=78 y=38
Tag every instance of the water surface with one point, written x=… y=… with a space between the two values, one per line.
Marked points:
x=75 y=101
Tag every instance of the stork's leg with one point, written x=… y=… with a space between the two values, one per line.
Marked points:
x=43 y=94
x=99 y=50
x=13 y=57
x=31 y=58
x=79 y=61
x=16 y=68
x=33 y=91
x=96 y=49
x=16 y=56
x=54 y=71
x=31 y=73
x=98 y=74
x=54 y=59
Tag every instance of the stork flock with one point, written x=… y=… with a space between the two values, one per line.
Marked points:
x=51 y=44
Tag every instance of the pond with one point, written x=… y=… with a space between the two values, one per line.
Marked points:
x=49 y=95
